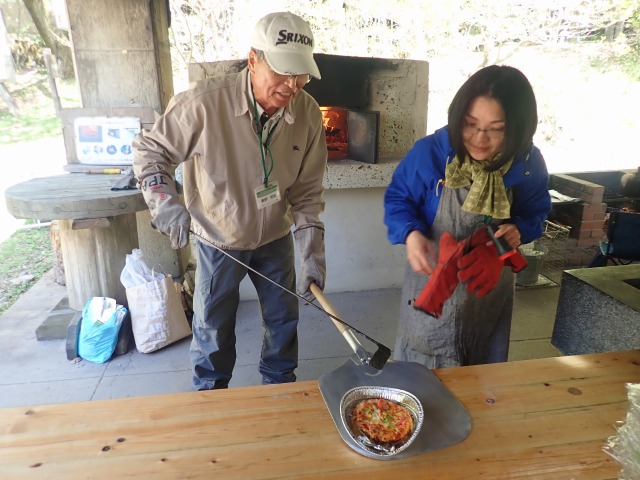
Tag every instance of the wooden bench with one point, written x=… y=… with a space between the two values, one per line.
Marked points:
x=533 y=419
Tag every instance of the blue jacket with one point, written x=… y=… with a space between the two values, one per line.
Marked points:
x=412 y=198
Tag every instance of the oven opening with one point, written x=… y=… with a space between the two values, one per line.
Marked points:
x=336 y=133
x=351 y=134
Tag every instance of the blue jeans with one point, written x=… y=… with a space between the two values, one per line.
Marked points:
x=215 y=303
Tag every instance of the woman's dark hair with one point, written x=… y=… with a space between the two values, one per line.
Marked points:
x=511 y=89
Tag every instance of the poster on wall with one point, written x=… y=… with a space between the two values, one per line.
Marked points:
x=105 y=140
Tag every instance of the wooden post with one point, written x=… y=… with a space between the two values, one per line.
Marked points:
x=94 y=255
x=56 y=247
x=51 y=76
x=121 y=53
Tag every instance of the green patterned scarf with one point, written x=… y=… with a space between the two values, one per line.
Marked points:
x=488 y=195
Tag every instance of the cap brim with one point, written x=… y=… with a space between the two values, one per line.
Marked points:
x=292 y=64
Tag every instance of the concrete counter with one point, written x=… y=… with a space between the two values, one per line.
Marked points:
x=351 y=174
x=598 y=310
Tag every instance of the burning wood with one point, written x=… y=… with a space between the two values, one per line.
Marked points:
x=336 y=133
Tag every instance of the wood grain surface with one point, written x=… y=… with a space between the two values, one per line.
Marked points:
x=538 y=419
x=71 y=196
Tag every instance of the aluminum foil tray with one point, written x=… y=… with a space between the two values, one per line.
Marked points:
x=445 y=420
x=402 y=397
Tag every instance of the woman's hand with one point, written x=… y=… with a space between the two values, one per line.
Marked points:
x=421 y=253
x=510 y=233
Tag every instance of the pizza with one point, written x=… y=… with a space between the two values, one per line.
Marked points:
x=381 y=420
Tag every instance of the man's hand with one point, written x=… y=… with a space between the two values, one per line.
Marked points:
x=421 y=253
x=168 y=215
x=310 y=243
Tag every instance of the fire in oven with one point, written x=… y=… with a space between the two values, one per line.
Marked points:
x=351 y=134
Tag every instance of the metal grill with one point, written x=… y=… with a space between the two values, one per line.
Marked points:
x=546 y=257
x=555 y=239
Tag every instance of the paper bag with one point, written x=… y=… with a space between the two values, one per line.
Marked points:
x=157 y=315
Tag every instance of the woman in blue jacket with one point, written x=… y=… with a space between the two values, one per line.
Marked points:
x=482 y=168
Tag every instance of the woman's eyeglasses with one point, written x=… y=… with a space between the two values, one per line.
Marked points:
x=469 y=131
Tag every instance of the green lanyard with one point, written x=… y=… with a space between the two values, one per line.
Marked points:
x=263 y=146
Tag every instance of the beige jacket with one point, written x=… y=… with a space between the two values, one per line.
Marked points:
x=211 y=128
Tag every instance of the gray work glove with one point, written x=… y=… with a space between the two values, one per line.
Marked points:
x=310 y=243
x=168 y=214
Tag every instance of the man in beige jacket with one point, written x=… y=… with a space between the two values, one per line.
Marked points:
x=253 y=151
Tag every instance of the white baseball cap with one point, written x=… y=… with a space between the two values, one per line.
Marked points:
x=287 y=42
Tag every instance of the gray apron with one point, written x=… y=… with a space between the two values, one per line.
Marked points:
x=471 y=330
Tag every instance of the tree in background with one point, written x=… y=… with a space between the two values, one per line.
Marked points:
x=208 y=31
x=498 y=28
x=54 y=38
x=202 y=30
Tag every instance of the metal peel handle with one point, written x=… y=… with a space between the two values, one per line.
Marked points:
x=349 y=336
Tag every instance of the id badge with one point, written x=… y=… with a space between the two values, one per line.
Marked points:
x=267 y=195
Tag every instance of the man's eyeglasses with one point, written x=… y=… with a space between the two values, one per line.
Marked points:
x=301 y=80
x=469 y=131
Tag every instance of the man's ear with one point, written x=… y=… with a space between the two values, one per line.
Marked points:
x=251 y=62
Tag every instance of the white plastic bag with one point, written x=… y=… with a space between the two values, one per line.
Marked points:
x=625 y=446
x=135 y=271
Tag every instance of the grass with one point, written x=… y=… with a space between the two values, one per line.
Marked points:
x=37 y=116
x=27 y=253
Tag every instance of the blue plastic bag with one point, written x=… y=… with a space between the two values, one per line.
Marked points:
x=99 y=328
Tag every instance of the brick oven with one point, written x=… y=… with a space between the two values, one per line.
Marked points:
x=379 y=97
x=596 y=191
x=586 y=217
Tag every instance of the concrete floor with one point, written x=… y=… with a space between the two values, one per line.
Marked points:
x=35 y=372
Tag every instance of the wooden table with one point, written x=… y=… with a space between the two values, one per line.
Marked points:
x=539 y=419
x=97 y=228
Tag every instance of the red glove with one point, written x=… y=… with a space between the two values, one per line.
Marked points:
x=516 y=261
x=481 y=269
x=444 y=279
x=479 y=237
